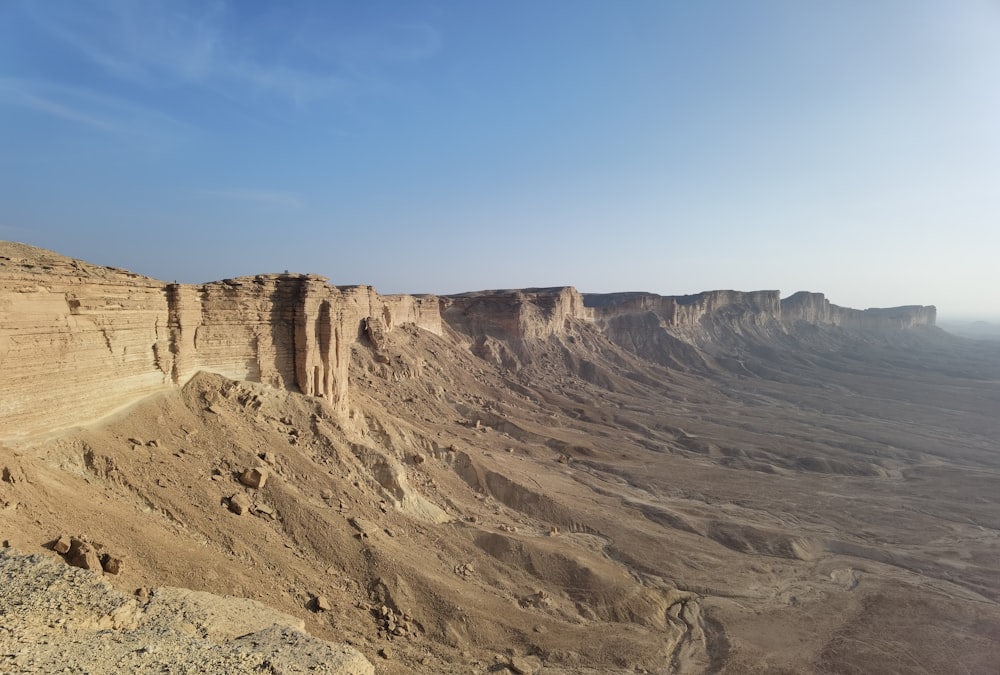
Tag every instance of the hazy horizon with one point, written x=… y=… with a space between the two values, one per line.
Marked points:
x=448 y=147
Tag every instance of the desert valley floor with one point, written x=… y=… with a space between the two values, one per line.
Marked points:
x=507 y=481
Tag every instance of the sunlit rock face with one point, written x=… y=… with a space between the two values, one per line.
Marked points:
x=814 y=308
x=79 y=341
x=520 y=314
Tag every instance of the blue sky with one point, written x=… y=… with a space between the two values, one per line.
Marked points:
x=850 y=147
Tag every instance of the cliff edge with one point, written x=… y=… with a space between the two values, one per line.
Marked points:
x=68 y=324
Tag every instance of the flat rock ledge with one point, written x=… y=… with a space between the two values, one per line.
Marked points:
x=57 y=618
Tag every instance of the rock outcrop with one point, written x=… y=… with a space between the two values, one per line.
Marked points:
x=814 y=308
x=57 y=618
x=79 y=341
x=686 y=313
x=528 y=313
x=674 y=330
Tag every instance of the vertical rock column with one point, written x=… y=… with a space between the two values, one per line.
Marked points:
x=320 y=366
x=183 y=319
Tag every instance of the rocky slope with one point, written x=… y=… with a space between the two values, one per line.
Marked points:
x=540 y=481
x=56 y=617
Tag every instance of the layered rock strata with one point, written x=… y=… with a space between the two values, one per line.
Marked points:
x=522 y=314
x=759 y=308
x=78 y=341
x=814 y=308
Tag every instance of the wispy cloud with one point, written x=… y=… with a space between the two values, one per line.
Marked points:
x=268 y=197
x=137 y=40
x=206 y=43
x=90 y=109
x=20 y=96
x=392 y=44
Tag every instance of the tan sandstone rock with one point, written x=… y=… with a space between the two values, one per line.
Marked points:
x=254 y=477
x=82 y=554
x=239 y=503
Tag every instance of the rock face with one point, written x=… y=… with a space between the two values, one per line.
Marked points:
x=675 y=331
x=687 y=314
x=519 y=314
x=79 y=341
x=814 y=308
x=67 y=325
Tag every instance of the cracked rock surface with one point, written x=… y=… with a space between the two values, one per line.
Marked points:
x=57 y=618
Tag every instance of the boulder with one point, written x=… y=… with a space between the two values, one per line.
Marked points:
x=255 y=477
x=62 y=545
x=111 y=564
x=239 y=503
x=81 y=554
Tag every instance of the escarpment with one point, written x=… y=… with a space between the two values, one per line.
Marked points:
x=692 y=314
x=814 y=308
x=68 y=326
x=674 y=326
x=514 y=314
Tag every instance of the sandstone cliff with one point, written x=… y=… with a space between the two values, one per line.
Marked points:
x=814 y=308
x=78 y=341
x=522 y=314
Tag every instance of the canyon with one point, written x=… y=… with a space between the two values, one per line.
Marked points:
x=524 y=480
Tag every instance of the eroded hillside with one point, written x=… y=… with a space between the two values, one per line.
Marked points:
x=519 y=480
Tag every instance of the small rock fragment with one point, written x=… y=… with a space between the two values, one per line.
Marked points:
x=525 y=665
x=255 y=477
x=81 y=554
x=111 y=564
x=62 y=545
x=239 y=503
x=364 y=527
x=12 y=475
x=264 y=510
x=322 y=604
